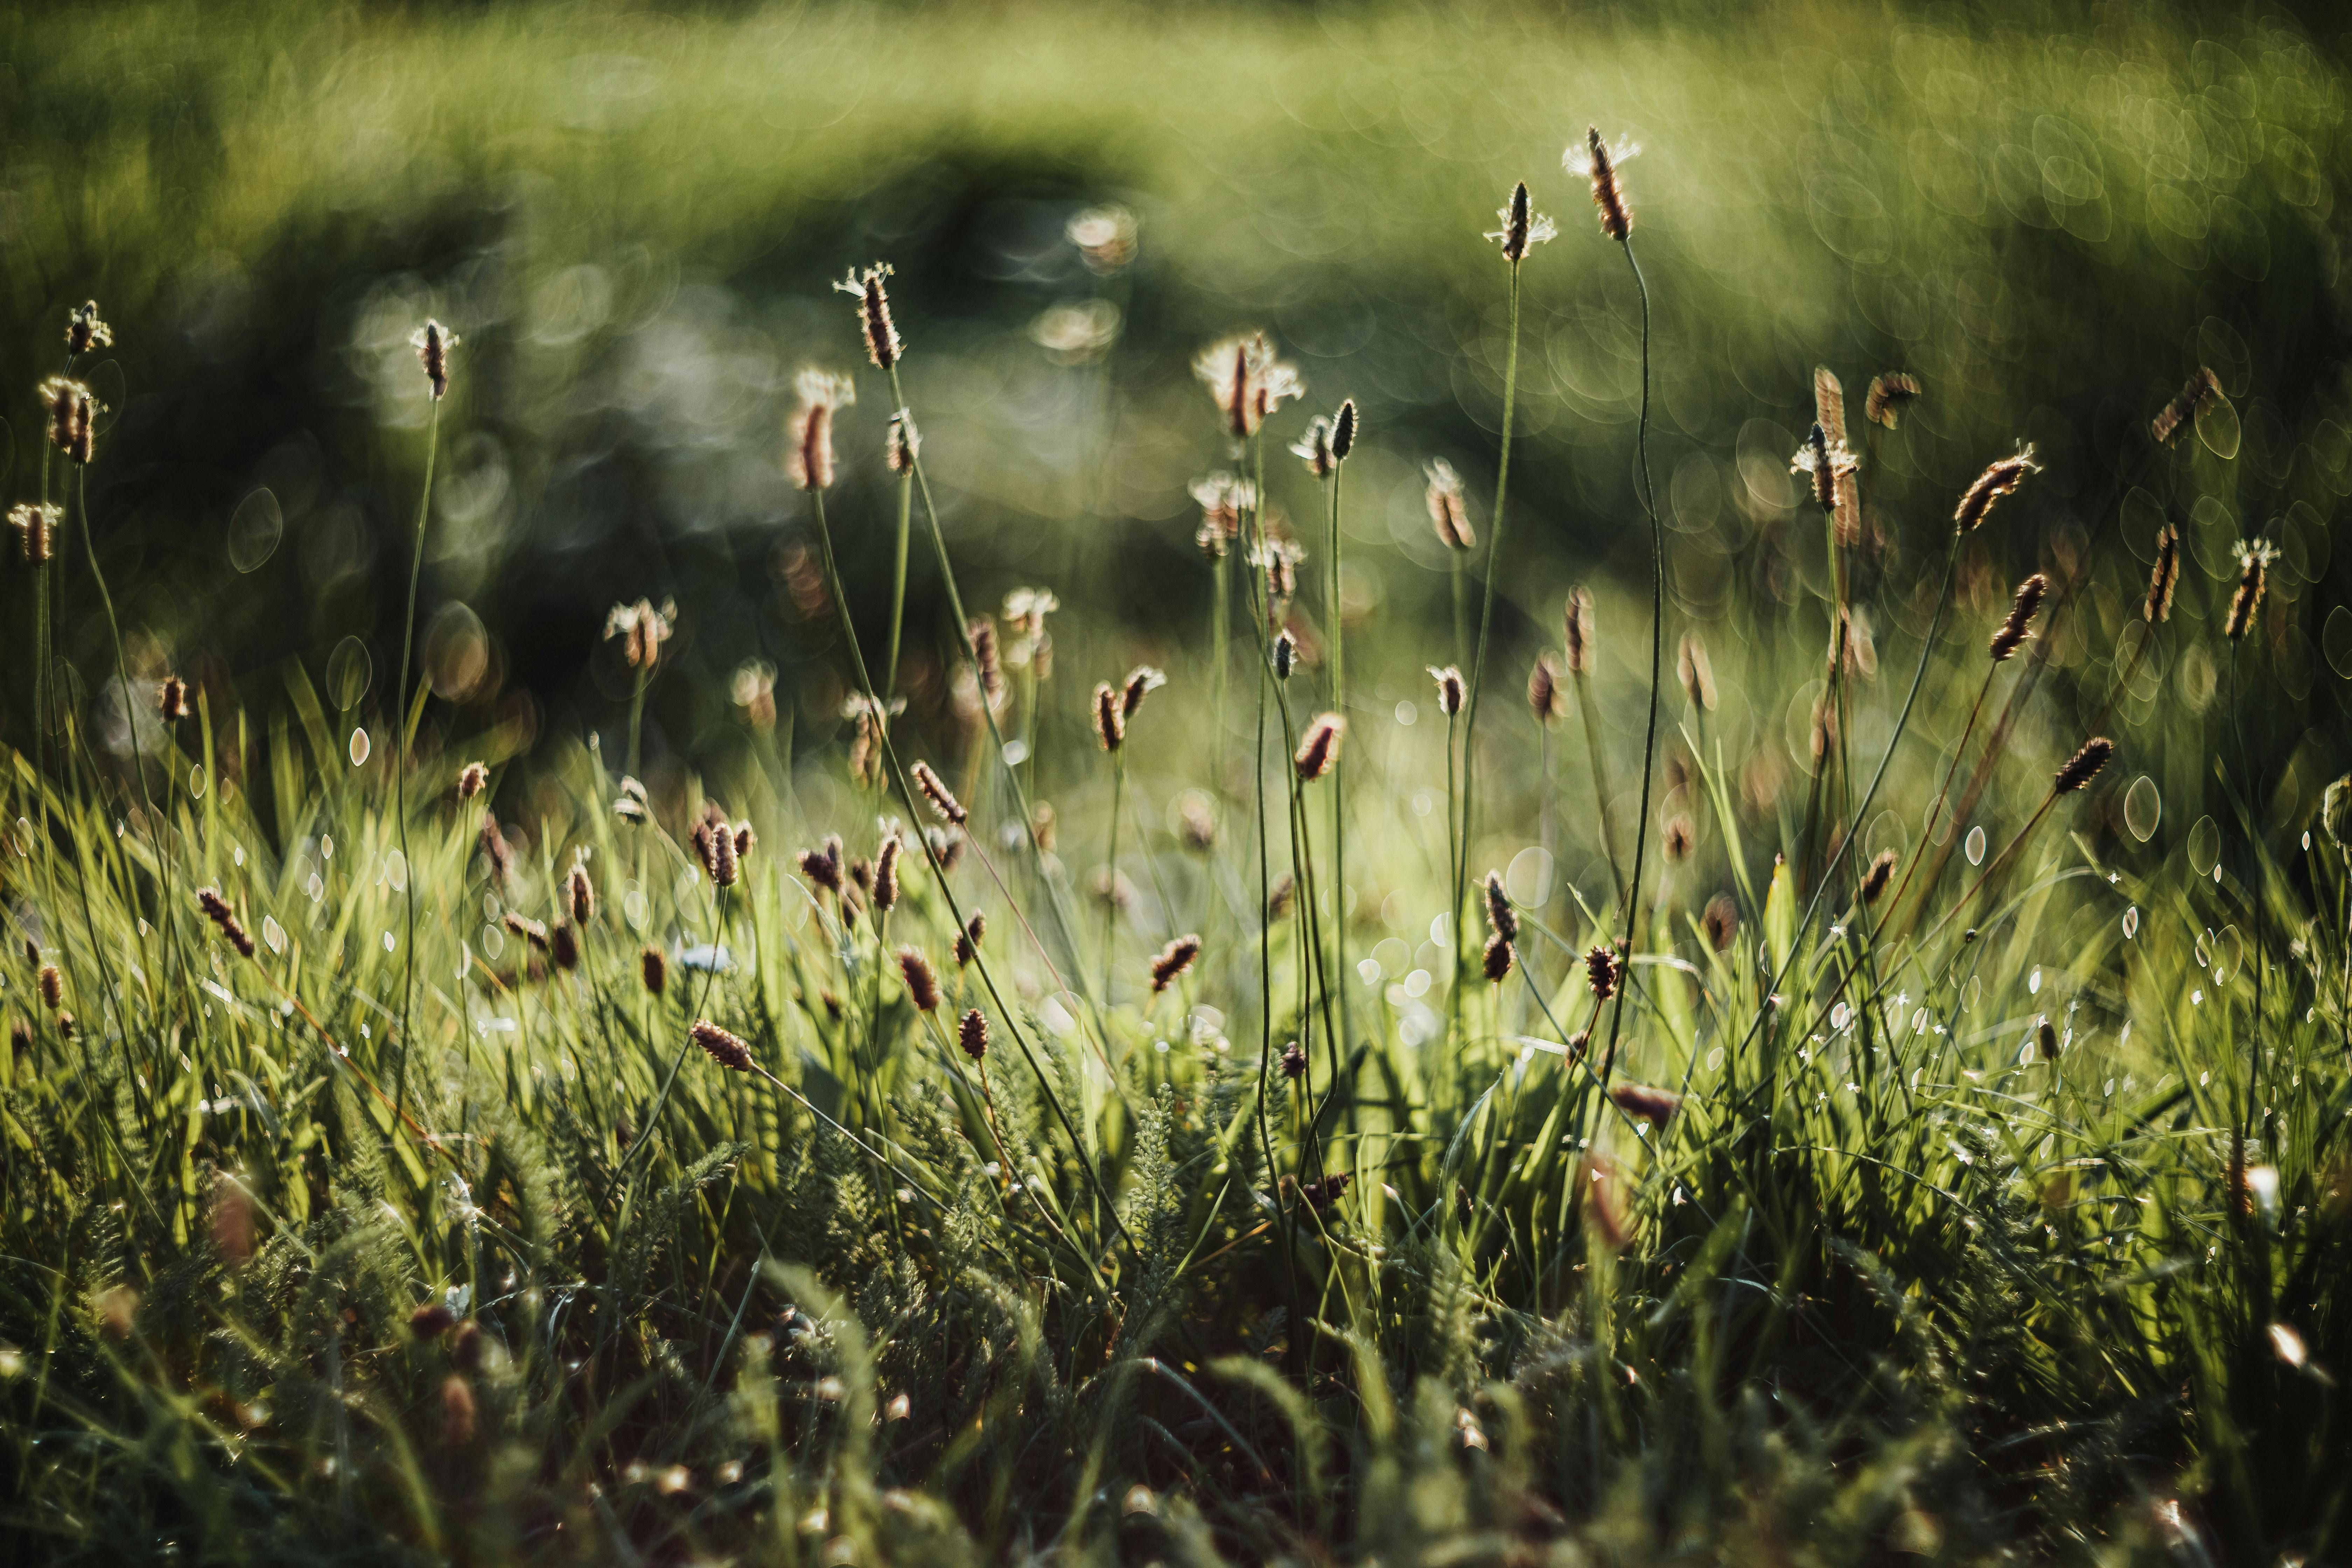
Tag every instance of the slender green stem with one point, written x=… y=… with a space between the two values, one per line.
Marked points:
x=1486 y=618
x=899 y=592
x=1110 y=886
x=1333 y=592
x=645 y=675
x=400 y=756
x=1657 y=665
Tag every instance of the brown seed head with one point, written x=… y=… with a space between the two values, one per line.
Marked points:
x=522 y=925
x=1314 y=448
x=902 y=443
x=808 y=456
x=1111 y=719
x=172 y=700
x=1294 y=1061
x=1608 y=195
x=2085 y=764
x=2045 y=1040
x=923 y=985
x=71 y=410
x=1450 y=690
x=1343 y=431
x=1522 y=225
x=1246 y=381
x=1174 y=960
x=1680 y=839
x=968 y=940
x=1501 y=918
x=882 y=341
x=936 y=791
x=1286 y=654
x=885 y=875
x=1197 y=826
x=724 y=1048
x=971 y=1034
x=53 y=987
x=1720 y=921
x=493 y=850
x=1280 y=897
x=472 y=779
x=2001 y=479
x=1697 y=672
x=2164 y=578
x=1601 y=971
x=431 y=1320
x=217 y=911
x=2255 y=563
x=457 y=1412
x=85 y=331
x=1447 y=512
x=2012 y=632
x=35 y=523
x=653 y=969
x=1654 y=1105
x=1141 y=681
x=988 y=660
x=581 y=893
x=433 y=342
x=1543 y=689
x=2167 y=423
x=1875 y=880
x=1598 y=1175
x=564 y=944
x=1888 y=394
x=1576 y=620
x=642 y=629
x=1320 y=748
x=1496 y=961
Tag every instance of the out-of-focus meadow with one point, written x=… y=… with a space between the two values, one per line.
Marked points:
x=632 y=219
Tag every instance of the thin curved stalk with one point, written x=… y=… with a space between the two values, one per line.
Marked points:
x=1487 y=613
x=400 y=755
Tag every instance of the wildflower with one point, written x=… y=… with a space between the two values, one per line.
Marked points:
x=883 y=344
x=2001 y=479
x=822 y=864
x=714 y=843
x=171 y=700
x=72 y=410
x=1279 y=558
x=85 y=331
x=946 y=846
x=36 y=523
x=1197 y=826
x=494 y=849
x=1601 y=971
x=724 y=1048
x=1343 y=431
x=1110 y=720
x=1543 y=689
x=1447 y=513
x=1294 y=1061
x=971 y=1034
x=754 y=691
x=1320 y=749
x=1286 y=654
x=1174 y=960
x=1827 y=463
x=630 y=803
x=1502 y=919
x=1142 y=680
x=968 y=940
x=885 y=874
x=1654 y=1105
x=902 y=443
x=1246 y=381
x=431 y=1320
x=1875 y=880
x=1496 y=961
x=923 y=985
x=472 y=779
x=1450 y=690
x=2254 y=558
x=581 y=894
x=644 y=629
x=2202 y=386
x=2045 y=1040
x=1314 y=448
x=217 y=911
x=433 y=342
x=1105 y=236
x=2085 y=764
x=52 y=987
x=808 y=459
x=1522 y=225
x=1323 y=1191
x=987 y=659
x=1697 y=671
x=2018 y=627
x=1889 y=396
x=2165 y=578
x=936 y=791
x=530 y=931
x=1598 y=161
x=870 y=725
x=653 y=969
x=564 y=944
x=1576 y=620
x=1026 y=610
x=1222 y=498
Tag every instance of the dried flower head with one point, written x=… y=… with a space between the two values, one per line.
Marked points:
x=1544 y=698
x=1576 y=621
x=971 y=1034
x=522 y=925
x=808 y=433
x=564 y=944
x=217 y=911
x=1875 y=880
x=580 y=895
x=988 y=660
x=1223 y=499
x=923 y=985
x=35 y=523
x=2085 y=764
x=1141 y=681
x=643 y=629
x=885 y=874
x=1680 y=837
x=630 y=803
x=754 y=689
x=52 y=987
x=941 y=798
x=1294 y=1061
x=653 y=969
x=1597 y=161
x=1286 y=654
x=1697 y=672
x=714 y=844
x=1246 y=381
x=968 y=940
x=882 y=341
x=2254 y=558
x=1887 y=396
x=2202 y=387
x=1447 y=512
x=823 y=865
x=171 y=700
x=1501 y=918
x=1110 y=720
x=2165 y=577
x=1654 y=1105
x=1450 y=689
x=1719 y=923
x=1601 y=971
x=71 y=410
x=1522 y=225
x=1495 y=961
x=726 y=1049
x=494 y=849
x=85 y=331
x=1320 y=748
x=1829 y=466
x=2019 y=624
x=1174 y=960
x=1343 y=431
x=433 y=342
x=1279 y=558
x=1105 y=236
x=869 y=726
x=472 y=779
x=1999 y=481
x=1314 y=448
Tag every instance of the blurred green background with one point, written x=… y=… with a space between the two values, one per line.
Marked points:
x=633 y=214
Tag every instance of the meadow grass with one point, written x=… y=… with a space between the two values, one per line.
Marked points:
x=1117 y=1122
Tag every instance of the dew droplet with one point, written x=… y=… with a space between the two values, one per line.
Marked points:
x=2033 y=982
x=2143 y=808
x=2204 y=951
x=273 y=933
x=359 y=748
x=1715 y=1058
x=1971 y=993
x=2205 y=845
x=2131 y=922
x=1975 y=845
x=2229 y=955
x=2217 y=427
x=1919 y=1021
x=396 y=872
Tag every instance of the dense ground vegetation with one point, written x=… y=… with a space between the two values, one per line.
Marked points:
x=988 y=1007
